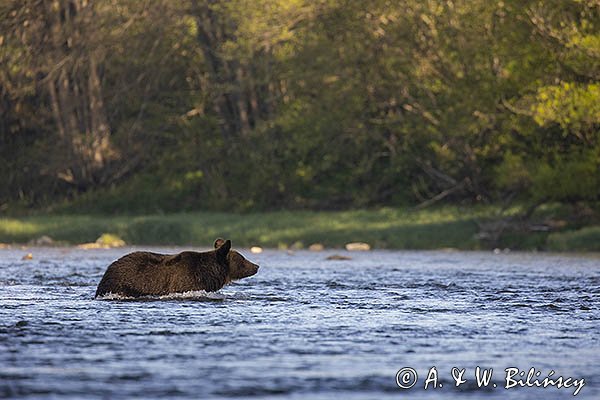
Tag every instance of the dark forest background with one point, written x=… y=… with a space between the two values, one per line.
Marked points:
x=143 y=106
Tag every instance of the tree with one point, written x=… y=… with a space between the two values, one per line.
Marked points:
x=559 y=104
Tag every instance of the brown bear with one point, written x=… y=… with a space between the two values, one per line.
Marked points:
x=143 y=273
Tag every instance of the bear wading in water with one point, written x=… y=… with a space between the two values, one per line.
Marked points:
x=143 y=273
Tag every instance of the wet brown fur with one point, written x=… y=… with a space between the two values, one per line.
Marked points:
x=144 y=273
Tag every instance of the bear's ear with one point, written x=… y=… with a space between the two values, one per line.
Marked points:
x=224 y=248
x=218 y=243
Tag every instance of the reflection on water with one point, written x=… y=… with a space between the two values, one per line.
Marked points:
x=303 y=327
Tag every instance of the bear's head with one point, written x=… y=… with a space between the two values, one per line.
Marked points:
x=238 y=266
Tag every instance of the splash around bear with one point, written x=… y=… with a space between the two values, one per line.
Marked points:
x=143 y=273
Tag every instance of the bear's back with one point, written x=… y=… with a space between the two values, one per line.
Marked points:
x=138 y=261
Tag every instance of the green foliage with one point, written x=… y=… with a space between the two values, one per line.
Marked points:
x=273 y=104
x=512 y=173
x=576 y=108
x=569 y=179
x=586 y=239
x=110 y=240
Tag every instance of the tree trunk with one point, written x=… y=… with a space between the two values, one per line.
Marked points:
x=75 y=90
x=239 y=102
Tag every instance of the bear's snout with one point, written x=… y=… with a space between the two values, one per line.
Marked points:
x=244 y=270
x=239 y=267
x=252 y=268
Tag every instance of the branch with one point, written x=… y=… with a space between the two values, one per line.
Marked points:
x=434 y=173
x=515 y=110
x=441 y=195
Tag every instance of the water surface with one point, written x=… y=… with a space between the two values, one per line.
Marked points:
x=302 y=328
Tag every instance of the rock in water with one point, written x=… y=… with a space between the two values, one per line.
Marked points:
x=316 y=247
x=337 y=257
x=256 y=250
x=358 y=246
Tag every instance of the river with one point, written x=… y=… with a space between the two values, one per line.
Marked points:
x=307 y=328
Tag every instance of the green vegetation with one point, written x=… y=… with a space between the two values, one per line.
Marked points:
x=585 y=239
x=447 y=227
x=122 y=107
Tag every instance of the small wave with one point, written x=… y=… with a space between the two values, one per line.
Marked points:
x=190 y=295
x=451 y=286
x=114 y=296
x=194 y=294
x=552 y=307
x=336 y=285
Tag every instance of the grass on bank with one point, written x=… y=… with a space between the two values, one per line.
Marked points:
x=447 y=227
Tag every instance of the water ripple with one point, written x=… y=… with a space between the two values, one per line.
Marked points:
x=301 y=328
